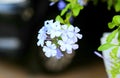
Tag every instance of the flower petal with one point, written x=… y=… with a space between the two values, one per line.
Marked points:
x=77 y=29
x=64 y=37
x=70 y=34
x=70 y=28
x=75 y=46
x=62 y=48
x=59 y=54
x=48 y=43
x=79 y=36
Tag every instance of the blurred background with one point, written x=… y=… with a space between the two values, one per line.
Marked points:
x=20 y=57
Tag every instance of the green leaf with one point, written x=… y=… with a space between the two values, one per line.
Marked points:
x=119 y=35
x=76 y=9
x=68 y=16
x=114 y=52
x=116 y=20
x=111 y=36
x=59 y=18
x=117 y=6
x=65 y=9
x=111 y=25
x=105 y=46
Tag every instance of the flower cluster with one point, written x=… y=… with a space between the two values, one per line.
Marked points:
x=57 y=39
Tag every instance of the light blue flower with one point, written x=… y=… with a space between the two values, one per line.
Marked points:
x=61 y=4
x=56 y=38
x=41 y=36
x=70 y=32
x=54 y=30
x=67 y=32
x=76 y=34
x=50 y=49
x=59 y=54
x=67 y=46
x=48 y=24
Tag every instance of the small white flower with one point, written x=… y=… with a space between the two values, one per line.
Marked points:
x=55 y=30
x=47 y=23
x=76 y=34
x=41 y=36
x=67 y=46
x=50 y=49
x=71 y=33
x=66 y=32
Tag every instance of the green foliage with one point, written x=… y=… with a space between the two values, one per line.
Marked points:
x=105 y=46
x=108 y=43
x=111 y=25
x=73 y=6
x=72 y=9
x=59 y=18
x=76 y=9
x=111 y=36
x=65 y=9
x=113 y=53
x=114 y=3
x=117 y=6
x=115 y=63
x=115 y=22
x=68 y=16
x=115 y=48
x=119 y=34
